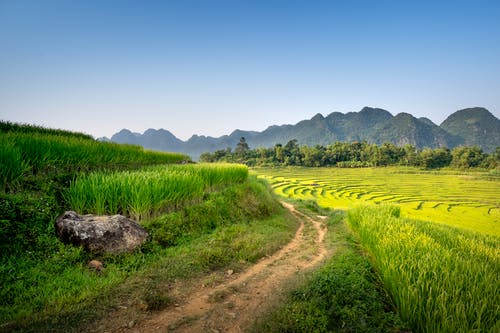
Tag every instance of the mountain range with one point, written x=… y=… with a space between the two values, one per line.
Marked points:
x=471 y=127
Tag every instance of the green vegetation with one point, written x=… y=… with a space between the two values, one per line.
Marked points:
x=344 y=295
x=142 y=194
x=46 y=285
x=442 y=279
x=31 y=151
x=214 y=211
x=37 y=166
x=204 y=219
x=466 y=199
x=244 y=224
x=356 y=155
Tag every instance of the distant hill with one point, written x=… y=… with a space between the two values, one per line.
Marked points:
x=405 y=129
x=474 y=126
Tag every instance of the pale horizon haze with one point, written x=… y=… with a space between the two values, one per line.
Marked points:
x=210 y=67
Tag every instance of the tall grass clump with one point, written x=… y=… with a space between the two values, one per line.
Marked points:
x=441 y=278
x=52 y=152
x=148 y=192
x=12 y=166
x=9 y=127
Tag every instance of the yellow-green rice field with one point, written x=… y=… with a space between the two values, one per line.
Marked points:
x=469 y=200
x=442 y=277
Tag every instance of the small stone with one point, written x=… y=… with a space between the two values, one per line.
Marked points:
x=95 y=265
x=229 y=272
x=131 y=324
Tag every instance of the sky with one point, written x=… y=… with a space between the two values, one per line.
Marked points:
x=210 y=67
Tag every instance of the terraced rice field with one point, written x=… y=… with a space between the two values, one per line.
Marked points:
x=467 y=200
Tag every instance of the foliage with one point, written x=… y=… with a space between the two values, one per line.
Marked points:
x=241 y=148
x=467 y=157
x=442 y=279
x=355 y=155
x=435 y=158
x=24 y=218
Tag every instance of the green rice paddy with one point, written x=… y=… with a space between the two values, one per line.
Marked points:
x=468 y=200
x=442 y=277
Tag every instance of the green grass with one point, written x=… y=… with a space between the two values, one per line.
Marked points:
x=37 y=166
x=146 y=193
x=55 y=152
x=58 y=293
x=345 y=295
x=46 y=285
x=442 y=279
x=468 y=200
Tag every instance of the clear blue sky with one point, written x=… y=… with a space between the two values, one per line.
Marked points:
x=209 y=67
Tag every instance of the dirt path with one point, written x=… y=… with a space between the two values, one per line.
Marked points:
x=233 y=305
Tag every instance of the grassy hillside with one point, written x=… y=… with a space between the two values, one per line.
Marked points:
x=46 y=285
x=37 y=166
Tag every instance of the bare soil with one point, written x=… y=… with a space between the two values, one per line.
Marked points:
x=236 y=300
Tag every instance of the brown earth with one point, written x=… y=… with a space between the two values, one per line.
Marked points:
x=234 y=304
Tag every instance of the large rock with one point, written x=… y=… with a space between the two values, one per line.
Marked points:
x=100 y=234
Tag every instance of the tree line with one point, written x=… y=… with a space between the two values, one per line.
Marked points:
x=355 y=154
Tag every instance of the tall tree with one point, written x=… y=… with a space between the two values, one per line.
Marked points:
x=242 y=148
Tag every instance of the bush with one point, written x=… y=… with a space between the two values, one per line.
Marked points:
x=24 y=217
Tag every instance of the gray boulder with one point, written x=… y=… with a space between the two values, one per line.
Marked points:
x=100 y=234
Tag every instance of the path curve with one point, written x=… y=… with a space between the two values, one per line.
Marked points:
x=233 y=305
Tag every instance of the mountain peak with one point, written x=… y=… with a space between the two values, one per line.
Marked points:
x=317 y=116
x=369 y=109
x=477 y=113
x=477 y=126
x=404 y=115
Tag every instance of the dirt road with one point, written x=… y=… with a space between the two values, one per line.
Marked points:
x=233 y=305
